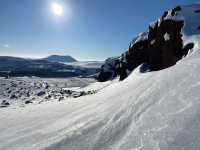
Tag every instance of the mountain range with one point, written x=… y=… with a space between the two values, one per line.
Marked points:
x=52 y=66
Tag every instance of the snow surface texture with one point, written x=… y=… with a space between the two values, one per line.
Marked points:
x=147 y=111
x=155 y=110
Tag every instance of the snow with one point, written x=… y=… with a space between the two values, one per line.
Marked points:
x=147 y=111
x=87 y=64
x=153 y=41
x=155 y=110
x=190 y=31
x=166 y=36
x=141 y=37
x=191 y=18
x=19 y=90
x=191 y=23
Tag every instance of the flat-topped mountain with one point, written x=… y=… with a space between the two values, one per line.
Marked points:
x=59 y=58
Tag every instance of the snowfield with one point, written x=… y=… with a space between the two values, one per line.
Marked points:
x=150 y=111
x=87 y=64
x=18 y=91
x=147 y=111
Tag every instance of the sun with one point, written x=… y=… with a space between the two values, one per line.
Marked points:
x=57 y=9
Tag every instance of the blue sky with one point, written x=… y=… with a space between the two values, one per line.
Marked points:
x=87 y=30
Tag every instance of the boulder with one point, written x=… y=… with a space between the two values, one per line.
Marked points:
x=176 y=9
x=13 y=96
x=41 y=93
x=61 y=98
x=109 y=70
x=4 y=103
x=28 y=102
x=197 y=11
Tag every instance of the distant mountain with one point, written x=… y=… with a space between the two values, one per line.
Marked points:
x=41 y=68
x=58 y=58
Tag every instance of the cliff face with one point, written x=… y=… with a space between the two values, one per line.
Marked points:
x=160 y=47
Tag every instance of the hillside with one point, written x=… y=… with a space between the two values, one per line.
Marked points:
x=41 y=68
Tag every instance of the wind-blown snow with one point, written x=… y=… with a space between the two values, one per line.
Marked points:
x=156 y=110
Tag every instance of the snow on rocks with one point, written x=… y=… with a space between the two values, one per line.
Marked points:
x=19 y=91
x=167 y=41
x=4 y=103
x=166 y=37
x=41 y=93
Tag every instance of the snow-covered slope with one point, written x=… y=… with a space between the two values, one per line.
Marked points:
x=157 y=110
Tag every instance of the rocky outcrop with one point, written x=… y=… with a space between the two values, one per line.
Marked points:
x=197 y=11
x=4 y=103
x=109 y=70
x=160 y=47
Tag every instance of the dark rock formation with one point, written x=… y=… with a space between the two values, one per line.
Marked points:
x=5 y=103
x=13 y=96
x=28 y=102
x=166 y=48
x=186 y=48
x=159 y=48
x=197 y=11
x=176 y=9
x=109 y=70
x=41 y=93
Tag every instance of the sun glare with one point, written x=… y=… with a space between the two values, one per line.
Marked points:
x=57 y=9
